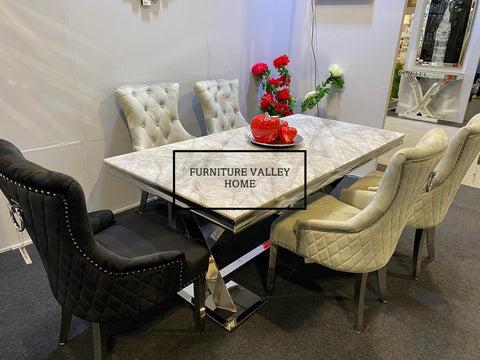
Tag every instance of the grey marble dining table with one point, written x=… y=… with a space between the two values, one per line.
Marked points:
x=333 y=149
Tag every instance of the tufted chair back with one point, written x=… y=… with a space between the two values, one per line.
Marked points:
x=431 y=207
x=152 y=114
x=366 y=241
x=219 y=101
x=55 y=216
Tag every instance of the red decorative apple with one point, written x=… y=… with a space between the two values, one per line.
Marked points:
x=264 y=128
x=288 y=134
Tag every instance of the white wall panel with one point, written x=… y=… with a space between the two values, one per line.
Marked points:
x=268 y=33
x=105 y=191
x=65 y=157
x=39 y=102
x=122 y=43
x=361 y=36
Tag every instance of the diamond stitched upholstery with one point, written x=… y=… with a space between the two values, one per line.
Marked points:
x=152 y=114
x=431 y=207
x=219 y=101
x=365 y=242
x=86 y=278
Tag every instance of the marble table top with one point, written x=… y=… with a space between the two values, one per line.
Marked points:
x=273 y=178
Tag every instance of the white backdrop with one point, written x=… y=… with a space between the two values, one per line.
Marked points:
x=61 y=60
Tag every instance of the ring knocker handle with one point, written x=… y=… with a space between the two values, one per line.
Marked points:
x=430 y=181
x=16 y=216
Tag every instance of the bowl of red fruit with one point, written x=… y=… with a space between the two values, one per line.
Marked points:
x=273 y=132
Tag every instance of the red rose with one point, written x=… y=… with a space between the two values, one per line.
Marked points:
x=279 y=108
x=281 y=61
x=259 y=68
x=274 y=81
x=288 y=113
x=283 y=95
x=266 y=101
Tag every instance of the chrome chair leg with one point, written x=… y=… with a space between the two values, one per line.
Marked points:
x=360 y=287
x=143 y=202
x=99 y=341
x=382 y=282
x=271 y=269
x=199 y=299
x=417 y=253
x=431 y=243
x=65 y=326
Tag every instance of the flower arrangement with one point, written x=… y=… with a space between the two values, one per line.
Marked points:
x=277 y=100
x=335 y=79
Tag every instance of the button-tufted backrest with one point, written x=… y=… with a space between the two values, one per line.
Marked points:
x=152 y=114
x=219 y=101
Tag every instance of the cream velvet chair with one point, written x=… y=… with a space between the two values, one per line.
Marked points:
x=430 y=207
x=219 y=101
x=344 y=238
x=152 y=115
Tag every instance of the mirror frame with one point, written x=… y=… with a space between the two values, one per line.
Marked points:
x=466 y=37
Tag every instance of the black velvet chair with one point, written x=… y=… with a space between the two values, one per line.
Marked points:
x=99 y=268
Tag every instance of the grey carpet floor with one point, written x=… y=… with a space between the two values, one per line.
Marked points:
x=309 y=315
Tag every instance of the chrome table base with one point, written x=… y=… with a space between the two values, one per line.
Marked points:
x=245 y=302
x=228 y=304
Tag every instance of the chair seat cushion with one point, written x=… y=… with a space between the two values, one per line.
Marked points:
x=136 y=234
x=361 y=193
x=100 y=220
x=319 y=206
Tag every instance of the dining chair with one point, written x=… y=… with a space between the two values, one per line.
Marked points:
x=219 y=101
x=100 y=268
x=431 y=206
x=344 y=238
x=152 y=116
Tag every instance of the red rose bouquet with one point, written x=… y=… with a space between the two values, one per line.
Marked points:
x=277 y=100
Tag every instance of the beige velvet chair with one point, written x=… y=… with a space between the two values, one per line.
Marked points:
x=219 y=101
x=430 y=207
x=344 y=238
x=152 y=115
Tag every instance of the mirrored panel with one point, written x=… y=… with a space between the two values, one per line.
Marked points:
x=445 y=33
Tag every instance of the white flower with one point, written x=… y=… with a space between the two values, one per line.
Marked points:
x=335 y=70
x=310 y=94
